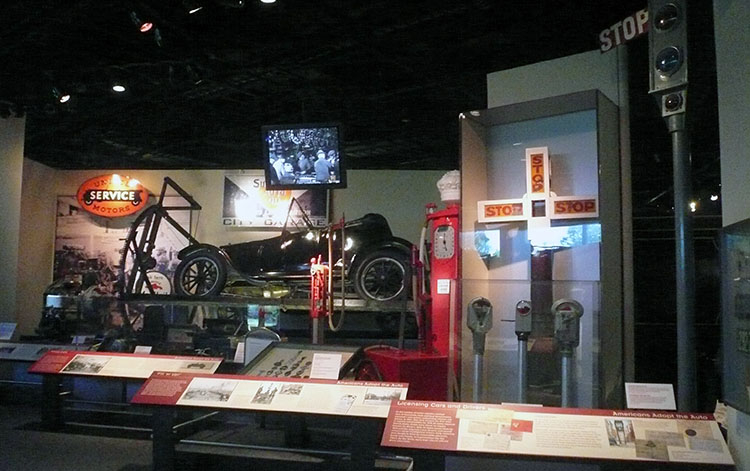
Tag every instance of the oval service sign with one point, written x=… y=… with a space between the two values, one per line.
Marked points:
x=112 y=196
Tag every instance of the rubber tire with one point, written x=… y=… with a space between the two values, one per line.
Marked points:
x=195 y=265
x=370 y=276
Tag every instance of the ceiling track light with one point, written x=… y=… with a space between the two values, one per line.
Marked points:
x=231 y=3
x=192 y=6
x=118 y=86
x=143 y=26
x=60 y=96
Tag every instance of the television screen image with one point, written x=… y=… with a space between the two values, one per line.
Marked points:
x=303 y=156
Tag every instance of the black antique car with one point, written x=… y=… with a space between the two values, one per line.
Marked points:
x=377 y=264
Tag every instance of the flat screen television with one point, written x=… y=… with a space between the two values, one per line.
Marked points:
x=299 y=156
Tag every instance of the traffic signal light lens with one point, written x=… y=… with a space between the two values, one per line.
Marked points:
x=666 y=17
x=668 y=61
x=673 y=102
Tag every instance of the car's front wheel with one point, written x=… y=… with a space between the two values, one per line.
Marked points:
x=201 y=273
x=382 y=276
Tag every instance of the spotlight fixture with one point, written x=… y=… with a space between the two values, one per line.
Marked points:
x=267 y=1
x=231 y=3
x=143 y=26
x=60 y=96
x=118 y=87
x=192 y=6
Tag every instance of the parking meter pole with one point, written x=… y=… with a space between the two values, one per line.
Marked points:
x=479 y=321
x=567 y=383
x=523 y=380
x=567 y=314
x=478 y=389
x=523 y=330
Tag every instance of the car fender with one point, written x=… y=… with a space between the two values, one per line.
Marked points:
x=207 y=247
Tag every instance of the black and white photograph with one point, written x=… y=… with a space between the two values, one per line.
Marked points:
x=265 y=393
x=651 y=449
x=195 y=366
x=620 y=432
x=210 y=390
x=291 y=389
x=86 y=364
x=380 y=396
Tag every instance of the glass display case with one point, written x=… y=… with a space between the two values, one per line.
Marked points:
x=541 y=222
x=735 y=321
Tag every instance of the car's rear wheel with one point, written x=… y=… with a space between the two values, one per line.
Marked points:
x=383 y=276
x=201 y=273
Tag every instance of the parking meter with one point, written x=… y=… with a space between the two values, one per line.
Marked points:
x=567 y=314
x=479 y=321
x=523 y=330
x=523 y=320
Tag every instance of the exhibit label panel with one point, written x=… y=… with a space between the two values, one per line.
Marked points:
x=550 y=431
x=349 y=398
x=119 y=365
x=18 y=351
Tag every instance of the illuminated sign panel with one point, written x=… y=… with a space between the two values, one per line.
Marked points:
x=112 y=196
x=501 y=211
x=567 y=207
x=539 y=205
x=537 y=171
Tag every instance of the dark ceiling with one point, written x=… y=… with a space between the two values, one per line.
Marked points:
x=396 y=74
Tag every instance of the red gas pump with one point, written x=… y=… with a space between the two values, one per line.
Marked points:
x=443 y=227
x=433 y=371
x=444 y=326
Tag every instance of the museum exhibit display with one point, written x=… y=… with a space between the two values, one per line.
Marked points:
x=575 y=436
x=236 y=257
x=293 y=360
x=540 y=225
x=375 y=262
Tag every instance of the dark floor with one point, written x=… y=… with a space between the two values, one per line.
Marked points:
x=80 y=445
x=24 y=447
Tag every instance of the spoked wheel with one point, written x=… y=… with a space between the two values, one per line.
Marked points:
x=382 y=276
x=201 y=273
x=135 y=256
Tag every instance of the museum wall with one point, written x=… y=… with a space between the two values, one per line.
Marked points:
x=586 y=71
x=731 y=18
x=399 y=195
x=11 y=163
x=732 y=69
x=35 y=249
